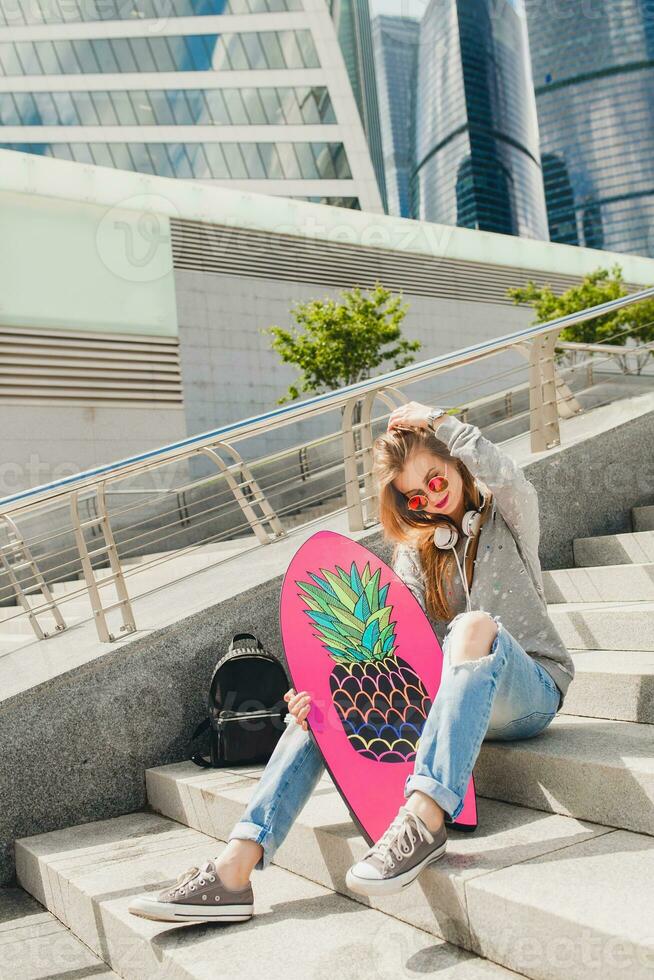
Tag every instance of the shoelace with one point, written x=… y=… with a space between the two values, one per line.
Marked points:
x=187 y=877
x=398 y=840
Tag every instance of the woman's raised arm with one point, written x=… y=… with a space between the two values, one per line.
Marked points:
x=516 y=498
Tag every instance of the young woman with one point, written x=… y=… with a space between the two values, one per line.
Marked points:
x=505 y=672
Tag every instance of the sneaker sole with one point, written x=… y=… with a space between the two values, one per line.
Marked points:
x=168 y=912
x=386 y=886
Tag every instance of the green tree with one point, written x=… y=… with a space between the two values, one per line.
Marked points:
x=597 y=287
x=337 y=344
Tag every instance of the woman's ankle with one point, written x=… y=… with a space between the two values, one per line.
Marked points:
x=236 y=862
x=427 y=809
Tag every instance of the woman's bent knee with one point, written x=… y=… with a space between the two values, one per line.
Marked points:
x=475 y=632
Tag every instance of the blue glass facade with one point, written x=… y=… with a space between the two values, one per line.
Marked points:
x=352 y=22
x=222 y=161
x=395 y=42
x=593 y=67
x=477 y=159
x=191 y=52
x=19 y=12
x=80 y=79
x=169 y=107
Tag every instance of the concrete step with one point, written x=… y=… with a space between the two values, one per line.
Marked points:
x=527 y=886
x=87 y=875
x=312 y=513
x=73 y=597
x=14 y=643
x=642 y=518
x=614 y=549
x=170 y=569
x=74 y=608
x=18 y=625
x=605 y=625
x=34 y=945
x=615 y=684
x=213 y=548
x=603 y=583
x=589 y=768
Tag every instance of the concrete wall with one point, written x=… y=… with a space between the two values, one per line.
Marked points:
x=74 y=265
x=229 y=371
x=44 y=442
x=77 y=266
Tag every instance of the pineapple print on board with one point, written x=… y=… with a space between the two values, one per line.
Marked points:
x=380 y=700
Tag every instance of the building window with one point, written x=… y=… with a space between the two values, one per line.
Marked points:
x=170 y=107
x=220 y=161
x=193 y=52
x=19 y=12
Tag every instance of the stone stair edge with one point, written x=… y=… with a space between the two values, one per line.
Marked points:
x=530 y=772
x=93 y=903
x=322 y=854
x=32 y=938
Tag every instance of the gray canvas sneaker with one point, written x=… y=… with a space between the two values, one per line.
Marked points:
x=404 y=849
x=198 y=895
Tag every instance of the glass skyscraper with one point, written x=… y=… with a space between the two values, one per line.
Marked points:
x=593 y=66
x=477 y=158
x=352 y=21
x=395 y=44
x=247 y=93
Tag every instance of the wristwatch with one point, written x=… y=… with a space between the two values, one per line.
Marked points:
x=434 y=414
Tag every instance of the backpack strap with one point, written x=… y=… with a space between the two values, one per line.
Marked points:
x=202 y=727
x=197 y=757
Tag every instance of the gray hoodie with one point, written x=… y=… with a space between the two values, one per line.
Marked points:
x=507 y=579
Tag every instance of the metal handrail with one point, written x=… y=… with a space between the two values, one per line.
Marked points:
x=308 y=408
x=271 y=489
x=102 y=564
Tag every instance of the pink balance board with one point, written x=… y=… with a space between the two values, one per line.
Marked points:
x=357 y=640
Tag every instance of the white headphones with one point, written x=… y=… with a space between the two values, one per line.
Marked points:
x=446 y=536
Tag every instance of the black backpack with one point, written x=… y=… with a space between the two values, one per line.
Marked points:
x=246 y=706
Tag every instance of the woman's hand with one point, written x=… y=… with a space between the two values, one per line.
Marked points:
x=413 y=415
x=298 y=706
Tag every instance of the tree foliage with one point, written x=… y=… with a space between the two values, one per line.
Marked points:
x=597 y=287
x=337 y=344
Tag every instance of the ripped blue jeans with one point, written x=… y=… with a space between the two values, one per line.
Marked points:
x=503 y=695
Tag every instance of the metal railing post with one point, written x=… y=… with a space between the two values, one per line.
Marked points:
x=259 y=498
x=362 y=511
x=566 y=403
x=110 y=551
x=17 y=548
x=352 y=493
x=392 y=398
x=543 y=411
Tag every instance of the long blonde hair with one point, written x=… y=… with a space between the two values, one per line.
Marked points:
x=391 y=452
